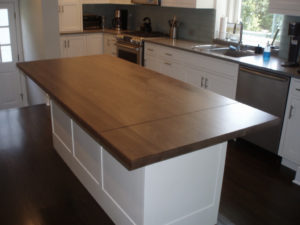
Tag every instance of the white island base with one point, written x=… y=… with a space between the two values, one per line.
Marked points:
x=183 y=190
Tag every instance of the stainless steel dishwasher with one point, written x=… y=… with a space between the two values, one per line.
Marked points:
x=267 y=92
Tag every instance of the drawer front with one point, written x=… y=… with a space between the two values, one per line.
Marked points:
x=151 y=50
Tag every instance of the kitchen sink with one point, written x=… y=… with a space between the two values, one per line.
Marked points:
x=231 y=52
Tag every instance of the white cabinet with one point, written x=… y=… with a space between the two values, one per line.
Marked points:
x=290 y=140
x=94 y=44
x=81 y=44
x=201 y=71
x=109 y=43
x=287 y=7
x=73 y=45
x=70 y=15
x=127 y=2
x=206 y=4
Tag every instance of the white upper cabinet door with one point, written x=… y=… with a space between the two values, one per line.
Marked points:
x=287 y=7
x=205 y=4
x=70 y=15
x=94 y=44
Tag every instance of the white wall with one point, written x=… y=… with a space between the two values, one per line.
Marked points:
x=40 y=37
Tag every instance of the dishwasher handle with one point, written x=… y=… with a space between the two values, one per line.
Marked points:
x=265 y=75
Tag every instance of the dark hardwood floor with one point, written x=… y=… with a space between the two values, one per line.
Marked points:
x=37 y=188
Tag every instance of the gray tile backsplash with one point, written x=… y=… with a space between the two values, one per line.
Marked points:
x=195 y=24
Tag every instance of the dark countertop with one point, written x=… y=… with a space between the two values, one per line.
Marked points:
x=255 y=62
x=140 y=116
x=109 y=31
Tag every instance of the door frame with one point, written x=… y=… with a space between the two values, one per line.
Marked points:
x=18 y=31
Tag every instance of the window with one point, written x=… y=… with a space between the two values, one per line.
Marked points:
x=259 y=25
x=5 y=42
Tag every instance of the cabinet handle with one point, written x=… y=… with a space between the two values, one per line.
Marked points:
x=150 y=49
x=168 y=54
x=297 y=89
x=291 y=111
x=202 y=79
x=205 y=84
x=169 y=64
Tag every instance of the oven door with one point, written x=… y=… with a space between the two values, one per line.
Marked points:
x=130 y=53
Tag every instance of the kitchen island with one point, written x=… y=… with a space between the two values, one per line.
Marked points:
x=149 y=149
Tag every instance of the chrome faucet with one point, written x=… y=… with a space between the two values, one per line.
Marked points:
x=241 y=36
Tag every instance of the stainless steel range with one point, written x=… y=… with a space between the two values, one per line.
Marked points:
x=130 y=45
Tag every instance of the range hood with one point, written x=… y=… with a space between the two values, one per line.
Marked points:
x=146 y=2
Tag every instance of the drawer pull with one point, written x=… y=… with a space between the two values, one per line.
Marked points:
x=202 y=79
x=205 y=84
x=168 y=54
x=291 y=111
x=297 y=89
x=169 y=64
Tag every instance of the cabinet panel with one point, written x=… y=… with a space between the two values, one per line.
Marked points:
x=109 y=45
x=173 y=70
x=87 y=152
x=76 y=46
x=291 y=144
x=70 y=16
x=94 y=44
x=61 y=125
x=152 y=63
x=189 y=3
x=220 y=85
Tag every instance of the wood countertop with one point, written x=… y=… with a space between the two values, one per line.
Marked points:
x=140 y=116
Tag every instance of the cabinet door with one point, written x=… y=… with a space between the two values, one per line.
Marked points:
x=291 y=144
x=220 y=85
x=109 y=45
x=94 y=44
x=76 y=46
x=70 y=15
x=151 y=63
x=288 y=7
x=189 y=3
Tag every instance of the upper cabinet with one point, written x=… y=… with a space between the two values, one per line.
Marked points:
x=206 y=4
x=287 y=7
x=70 y=15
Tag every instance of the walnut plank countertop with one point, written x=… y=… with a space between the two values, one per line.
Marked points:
x=140 y=116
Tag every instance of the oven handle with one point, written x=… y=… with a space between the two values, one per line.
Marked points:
x=127 y=47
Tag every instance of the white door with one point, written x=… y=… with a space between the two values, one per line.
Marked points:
x=10 y=81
